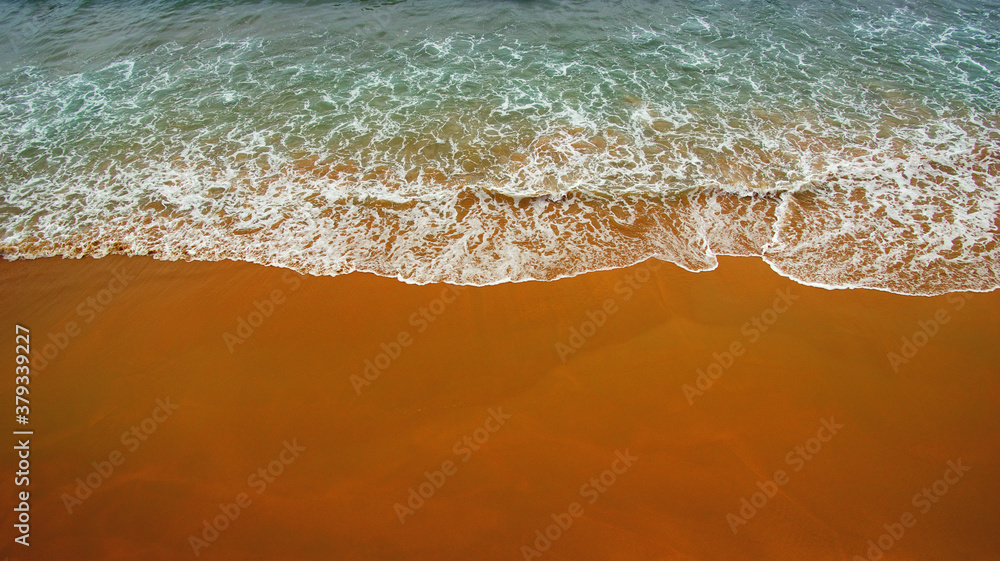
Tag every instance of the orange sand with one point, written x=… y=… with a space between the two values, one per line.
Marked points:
x=162 y=335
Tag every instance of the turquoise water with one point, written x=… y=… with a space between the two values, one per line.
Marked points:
x=848 y=144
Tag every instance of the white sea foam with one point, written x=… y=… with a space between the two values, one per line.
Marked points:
x=480 y=158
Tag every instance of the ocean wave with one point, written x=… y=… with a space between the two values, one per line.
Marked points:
x=846 y=148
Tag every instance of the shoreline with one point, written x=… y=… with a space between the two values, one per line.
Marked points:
x=362 y=415
x=720 y=257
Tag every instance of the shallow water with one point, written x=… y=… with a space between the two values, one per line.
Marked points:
x=850 y=144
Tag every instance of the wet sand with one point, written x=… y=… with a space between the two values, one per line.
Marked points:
x=725 y=415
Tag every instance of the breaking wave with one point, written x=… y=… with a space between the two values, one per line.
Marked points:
x=479 y=143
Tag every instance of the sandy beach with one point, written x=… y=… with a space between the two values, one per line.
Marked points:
x=545 y=357
x=236 y=411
